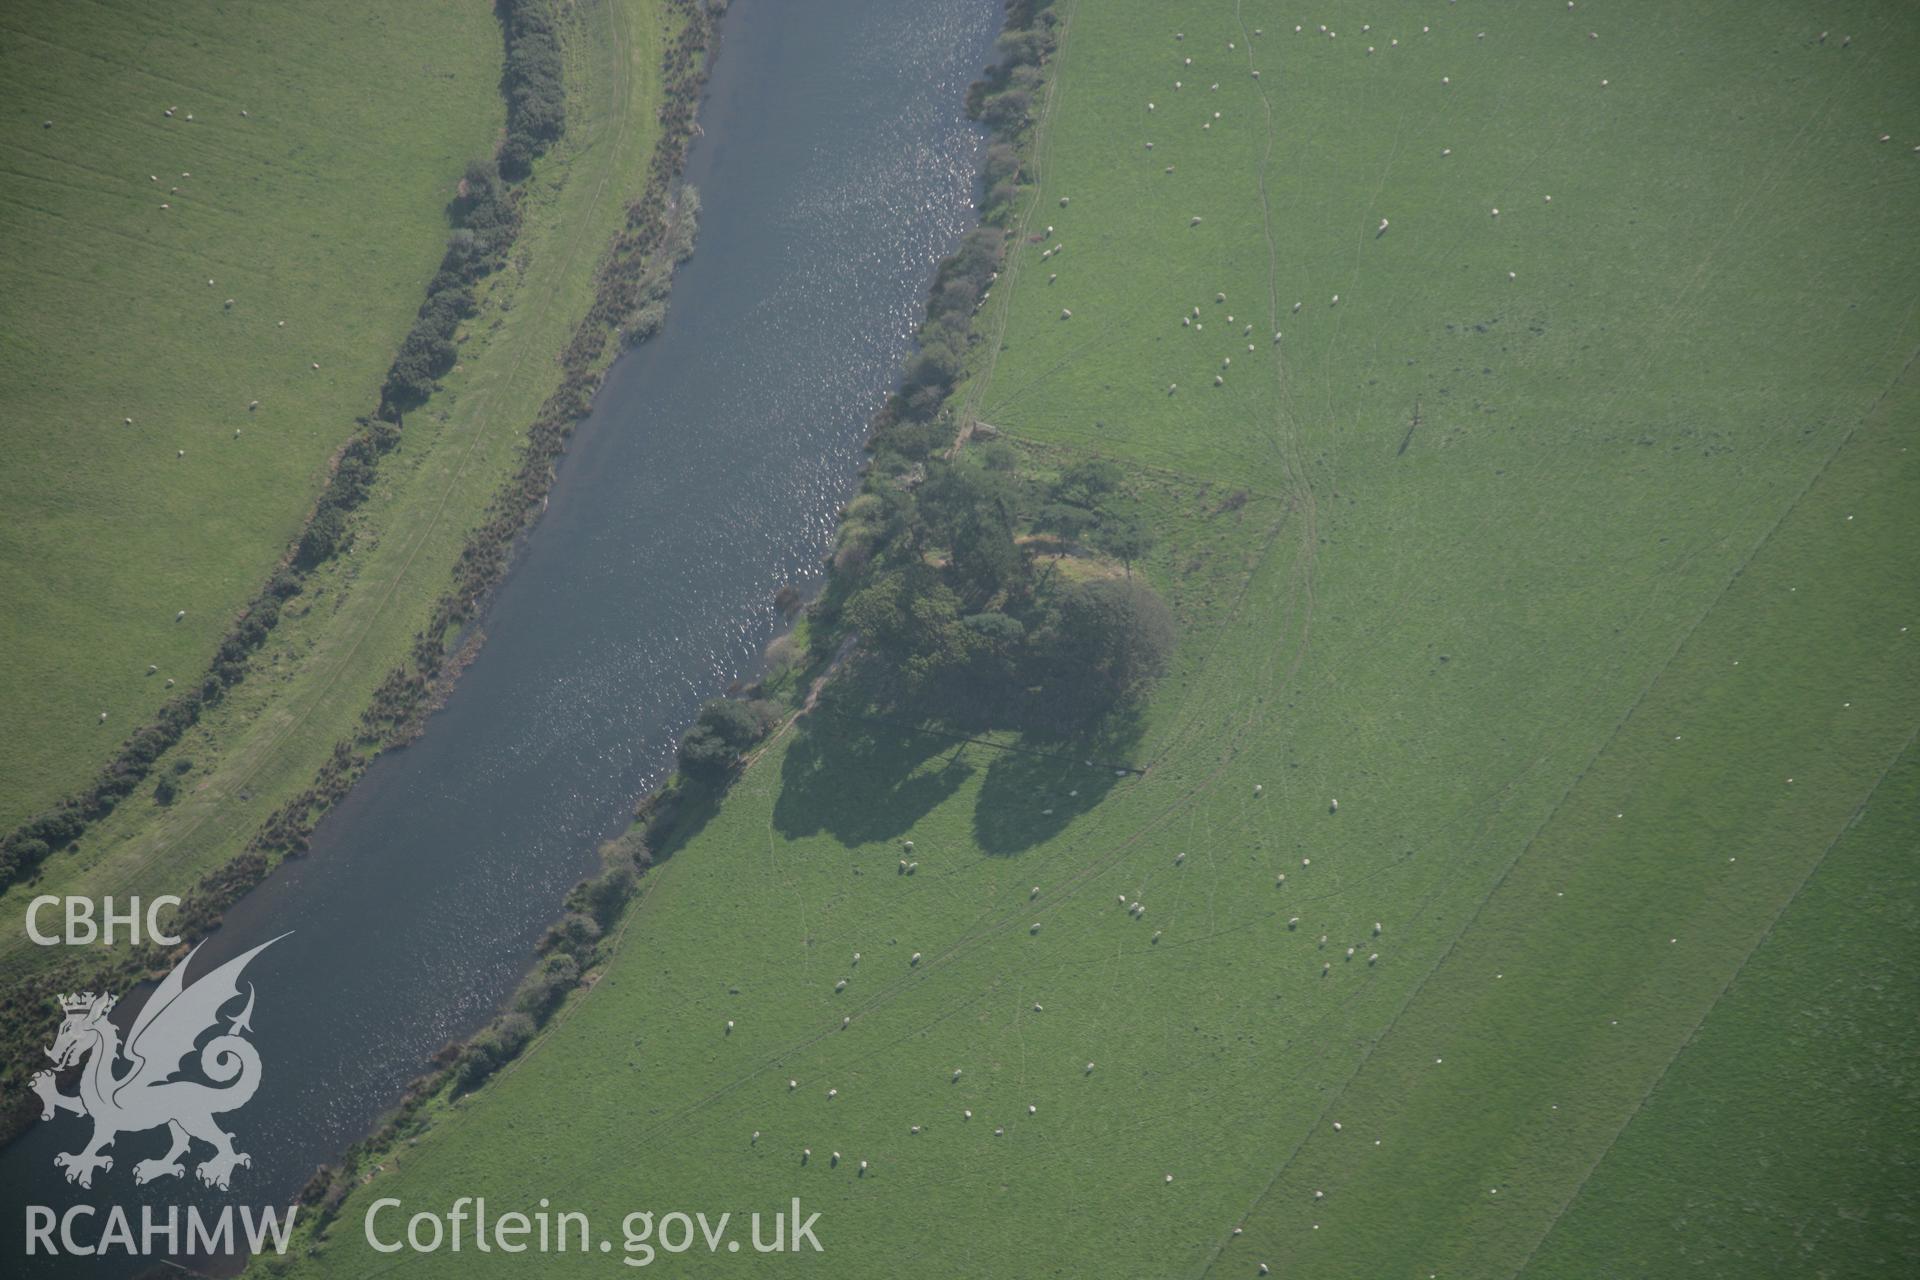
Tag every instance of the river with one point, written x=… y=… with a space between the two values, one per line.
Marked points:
x=835 y=170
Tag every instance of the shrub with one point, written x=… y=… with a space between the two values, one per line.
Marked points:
x=543 y=989
x=723 y=729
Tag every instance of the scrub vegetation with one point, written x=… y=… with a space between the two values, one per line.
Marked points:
x=1505 y=877
x=348 y=645
x=196 y=310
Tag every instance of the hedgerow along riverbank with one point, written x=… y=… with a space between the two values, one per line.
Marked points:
x=585 y=937
x=654 y=229
x=219 y=226
x=1427 y=634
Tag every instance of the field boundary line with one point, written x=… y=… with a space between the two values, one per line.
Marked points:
x=1853 y=816
x=1573 y=785
x=1042 y=146
x=346 y=662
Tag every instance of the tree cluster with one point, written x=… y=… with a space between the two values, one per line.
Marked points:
x=952 y=572
x=720 y=735
x=1004 y=100
x=533 y=82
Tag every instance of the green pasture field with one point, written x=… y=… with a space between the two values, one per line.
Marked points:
x=359 y=613
x=320 y=213
x=1607 y=662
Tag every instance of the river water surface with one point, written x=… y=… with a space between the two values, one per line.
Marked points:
x=835 y=170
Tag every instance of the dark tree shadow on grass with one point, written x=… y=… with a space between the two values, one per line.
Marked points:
x=1035 y=789
x=865 y=773
x=862 y=781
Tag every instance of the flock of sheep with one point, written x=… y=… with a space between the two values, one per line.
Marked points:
x=1194 y=319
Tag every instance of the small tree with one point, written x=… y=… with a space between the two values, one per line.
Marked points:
x=1128 y=539
x=1110 y=639
x=723 y=729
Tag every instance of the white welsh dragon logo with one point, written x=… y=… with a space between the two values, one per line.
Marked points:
x=147 y=1096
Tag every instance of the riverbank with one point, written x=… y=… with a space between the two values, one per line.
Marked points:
x=344 y=673
x=212 y=256
x=1605 y=708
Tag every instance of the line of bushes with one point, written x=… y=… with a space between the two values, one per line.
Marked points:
x=937 y=562
x=486 y=219
x=533 y=83
x=629 y=302
x=724 y=729
x=570 y=949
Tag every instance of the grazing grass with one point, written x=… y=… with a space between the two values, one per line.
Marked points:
x=1606 y=661
x=322 y=207
x=359 y=613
